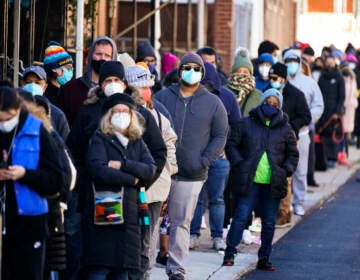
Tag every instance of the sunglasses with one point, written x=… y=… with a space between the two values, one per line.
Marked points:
x=272 y=78
x=189 y=67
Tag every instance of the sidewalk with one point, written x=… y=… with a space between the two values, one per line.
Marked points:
x=205 y=263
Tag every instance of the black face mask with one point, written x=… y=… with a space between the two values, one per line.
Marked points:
x=96 y=64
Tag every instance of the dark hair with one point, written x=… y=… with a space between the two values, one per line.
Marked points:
x=206 y=50
x=9 y=99
x=267 y=47
x=171 y=78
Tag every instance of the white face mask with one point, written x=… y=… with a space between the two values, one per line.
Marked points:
x=113 y=88
x=121 y=121
x=352 y=65
x=264 y=71
x=9 y=125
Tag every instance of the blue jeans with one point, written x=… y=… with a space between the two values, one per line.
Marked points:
x=102 y=273
x=214 y=186
x=269 y=207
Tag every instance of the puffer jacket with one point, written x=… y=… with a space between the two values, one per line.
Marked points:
x=247 y=143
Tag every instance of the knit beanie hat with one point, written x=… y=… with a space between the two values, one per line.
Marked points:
x=138 y=76
x=271 y=92
x=266 y=57
x=125 y=59
x=56 y=56
x=279 y=69
x=115 y=99
x=111 y=68
x=144 y=50
x=167 y=63
x=351 y=58
x=242 y=59
x=192 y=58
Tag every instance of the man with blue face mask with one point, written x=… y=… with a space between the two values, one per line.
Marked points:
x=315 y=102
x=58 y=65
x=34 y=81
x=201 y=124
x=297 y=109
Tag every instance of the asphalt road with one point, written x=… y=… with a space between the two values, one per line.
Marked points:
x=324 y=245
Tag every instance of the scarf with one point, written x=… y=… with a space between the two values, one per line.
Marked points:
x=243 y=84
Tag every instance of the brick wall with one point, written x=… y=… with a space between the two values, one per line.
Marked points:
x=223 y=31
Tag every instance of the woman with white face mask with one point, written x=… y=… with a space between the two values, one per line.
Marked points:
x=117 y=157
x=30 y=171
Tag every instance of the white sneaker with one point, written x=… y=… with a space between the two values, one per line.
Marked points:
x=247 y=237
x=194 y=242
x=203 y=223
x=225 y=233
x=256 y=225
x=219 y=244
x=299 y=210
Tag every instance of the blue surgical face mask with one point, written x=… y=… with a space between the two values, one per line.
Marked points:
x=191 y=77
x=269 y=110
x=35 y=89
x=292 y=67
x=67 y=75
x=275 y=59
x=276 y=85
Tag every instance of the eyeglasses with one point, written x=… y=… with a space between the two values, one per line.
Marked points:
x=189 y=67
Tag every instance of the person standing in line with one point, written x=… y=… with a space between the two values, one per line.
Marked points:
x=30 y=172
x=332 y=86
x=315 y=102
x=295 y=106
x=75 y=92
x=142 y=81
x=262 y=150
x=218 y=172
x=117 y=158
x=262 y=80
x=58 y=65
x=200 y=121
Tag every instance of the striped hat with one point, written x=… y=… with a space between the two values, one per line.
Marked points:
x=56 y=56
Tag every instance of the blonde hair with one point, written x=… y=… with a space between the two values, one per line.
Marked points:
x=133 y=132
x=39 y=113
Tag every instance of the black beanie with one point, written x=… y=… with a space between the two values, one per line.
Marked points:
x=111 y=68
x=279 y=69
x=117 y=98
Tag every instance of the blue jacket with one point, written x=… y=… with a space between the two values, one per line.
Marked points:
x=261 y=84
x=26 y=152
x=201 y=126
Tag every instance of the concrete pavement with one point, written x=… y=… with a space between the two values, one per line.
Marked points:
x=205 y=263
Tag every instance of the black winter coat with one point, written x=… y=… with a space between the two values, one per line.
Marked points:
x=84 y=126
x=332 y=87
x=296 y=107
x=116 y=246
x=247 y=143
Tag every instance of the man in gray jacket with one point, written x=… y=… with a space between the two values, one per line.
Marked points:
x=200 y=121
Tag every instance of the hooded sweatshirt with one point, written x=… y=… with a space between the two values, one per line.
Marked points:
x=75 y=92
x=201 y=125
x=310 y=89
x=226 y=96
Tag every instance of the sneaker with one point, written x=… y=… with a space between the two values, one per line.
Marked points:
x=255 y=226
x=177 y=276
x=194 y=242
x=228 y=260
x=219 y=244
x=161 y=261
x=264 y=264
x=247 y=237
x=299 y=210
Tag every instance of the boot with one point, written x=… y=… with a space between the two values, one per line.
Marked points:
x=342 y=159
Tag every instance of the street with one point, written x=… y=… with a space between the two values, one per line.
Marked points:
x=325 y=245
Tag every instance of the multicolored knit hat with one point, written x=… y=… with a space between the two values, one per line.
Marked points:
x=56 y=56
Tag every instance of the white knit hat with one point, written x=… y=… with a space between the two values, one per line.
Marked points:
x=138 y=76
x=126 y=59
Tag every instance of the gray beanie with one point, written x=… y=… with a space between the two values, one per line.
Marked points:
x=138 y=76
x=192 y=58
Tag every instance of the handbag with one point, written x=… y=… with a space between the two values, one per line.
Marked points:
x=108 y=207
